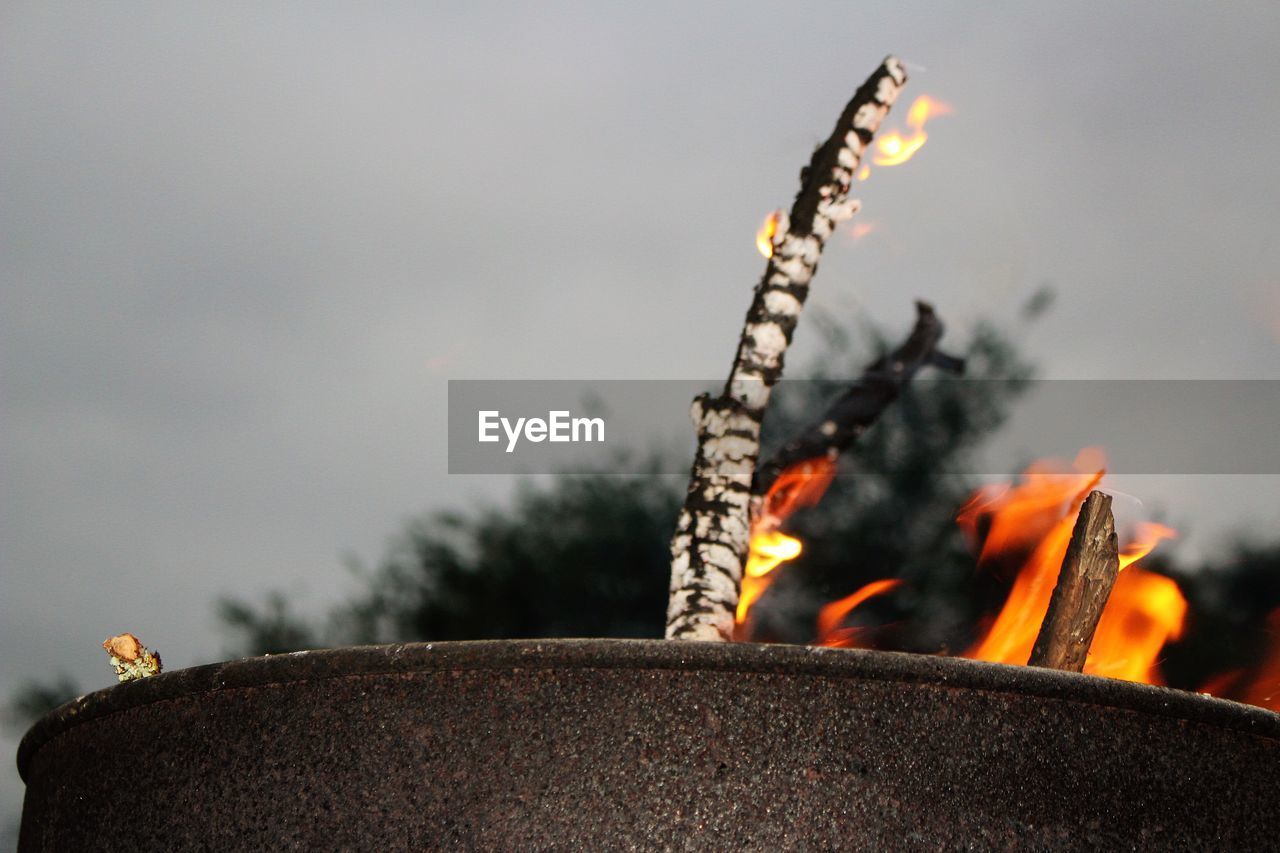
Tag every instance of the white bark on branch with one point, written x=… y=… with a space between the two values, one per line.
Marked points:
x=710 y=543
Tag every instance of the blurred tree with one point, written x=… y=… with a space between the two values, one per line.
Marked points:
x=274 y=629
x=584 y=556
x=34 y=699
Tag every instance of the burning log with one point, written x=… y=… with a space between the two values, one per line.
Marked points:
x=1088 y=573
x=864 y=401
x=710 y=543
x=1028 y=527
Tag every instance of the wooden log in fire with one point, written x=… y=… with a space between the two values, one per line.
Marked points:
x=709 y=547
x=1088 y=573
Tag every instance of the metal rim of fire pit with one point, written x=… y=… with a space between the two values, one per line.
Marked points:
x=860 y=664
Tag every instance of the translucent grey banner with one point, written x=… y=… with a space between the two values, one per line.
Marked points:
x=643 y=427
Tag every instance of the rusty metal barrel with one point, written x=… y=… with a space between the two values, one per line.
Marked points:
x=635 y=744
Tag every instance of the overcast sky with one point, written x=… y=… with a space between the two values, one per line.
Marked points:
x=243 y=246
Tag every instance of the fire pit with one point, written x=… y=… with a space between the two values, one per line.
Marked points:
x=595 y=744
x=684 y=743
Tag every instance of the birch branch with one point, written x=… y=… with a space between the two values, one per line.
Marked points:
x=1088 y=573
x=710 y=543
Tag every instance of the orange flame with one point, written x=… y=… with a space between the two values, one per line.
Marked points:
x=1145 y=537
x=829 y=617
x=803 y=484
x=893 y=148
x=1256 y=685
x=1027 y=525
x=768 y=550
x=768 y=230
x=1145 y=611
x=800 y=485
x=1032 y=523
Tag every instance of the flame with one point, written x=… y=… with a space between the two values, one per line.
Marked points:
x=829 y=617
x=768 y=230
x=1030 y=524
x=1026 y=526
x=803 y=484
x=1145 y=536
x=1145 y=611
x=768 y=550
x=1023 y=515
x=864 y=172
x=1258 y=684
x=893 y=148
x=862 y=229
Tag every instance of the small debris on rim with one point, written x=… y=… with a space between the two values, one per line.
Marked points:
x=130 y=659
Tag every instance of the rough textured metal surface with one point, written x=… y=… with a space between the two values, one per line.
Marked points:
x=602 y=745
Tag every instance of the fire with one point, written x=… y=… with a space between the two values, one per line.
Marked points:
x=1023 y=515
x=893 y=148
x=1258 y=684
x=862 y=229
x=800 y=485
x=1031 y=523
x=1025 y=527
x=829 y=617
x=769 y=549
x=768 y=230
x=1033 y=519
x=803 y=484
x=1146 y=535
x=1145 y=611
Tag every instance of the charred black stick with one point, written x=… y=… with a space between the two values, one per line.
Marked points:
x=1084 y=584
x=709 y=547
x=850 y=414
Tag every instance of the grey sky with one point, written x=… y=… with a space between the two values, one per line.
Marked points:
x=242 y=247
